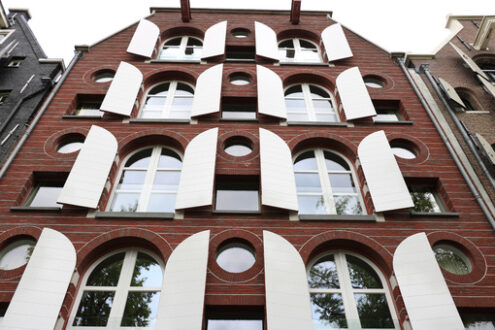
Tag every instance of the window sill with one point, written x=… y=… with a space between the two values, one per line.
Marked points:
x=316 y=123
x=305 y=63
x=477 y=112
x=174 y=61
x=399 y=122
x=240 y=60
x=336 y=217
x=80 y=117
x=253 y=120
x=434 y=214
x=159 y=121
x=35 y=209
x=135 y=215
x=236 y=212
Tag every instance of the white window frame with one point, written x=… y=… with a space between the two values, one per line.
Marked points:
x=308 y=101
x=167 y=107
x=86 y=106
x=347 y=291
x=7 y=33
x=326 y=188
x=121 y=290
x=182 y=49
x=298 y=52
x=147 y=189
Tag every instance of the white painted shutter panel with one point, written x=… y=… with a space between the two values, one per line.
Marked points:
x=41 y=291
x=90 y=170
x=451 y=93
x=271 y=100
x=198 y=171
x=288 y=304
x=426 y=295
x=214 y=43
x=470 y=63
x=266 y=41
x=383 y=176
x=122 y=93
x=335 y=42
x=208 y=91
x=354 y=95
x=183 y=291
x=278 y=183
x=488 y=85
x=490 y=153
x=144 y=39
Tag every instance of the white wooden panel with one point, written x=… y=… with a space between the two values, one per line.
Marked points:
x=90 y=170
x=278 y=183
x=426 y=295
x=123 y=90
x=452 y=94
x=486 y=147
x=266 y=41
x=41 y=291
x=354 y=95
x=335 y=42
x=288 y=304
x=271 y=99
x=214 y=43
x=198 y=171
x=470 y=63
x=184 y=280
x=144 y=39
x=488 y=85
x=208 y=91
x=383 y=176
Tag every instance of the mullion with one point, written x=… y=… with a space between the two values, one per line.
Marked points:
x=170 y=98
x=148 y=181
x=309 y=103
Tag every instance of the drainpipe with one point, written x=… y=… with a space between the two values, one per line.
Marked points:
x=466 y=177
x=38 y=116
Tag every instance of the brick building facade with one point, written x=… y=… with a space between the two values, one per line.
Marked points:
x=282 y=129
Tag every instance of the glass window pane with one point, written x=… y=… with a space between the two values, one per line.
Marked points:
x=347 y=205
x=193 y=53
x=311 y=205
x=107 y=272
x=131 y=180
x=184 y=90
x=296 y=108
x=154 y=103
x=171 y=52
x=424 y=201
x=294 y=91
x=181 y=107
x=236 y=258
x=452 y=260
x=70 y=147
x=161 y=202
x=323 y=274
x=306 y=161
x=306 y=44
x=373 y=311
x=16 y=254
x=147 y=272
x=335 y=163
x=294 y=117
x=323 y=106
x=237 y=200
x=194 y=42
x=328 y=117
x=140 y=309
x=125 y=202
x=94 y=308
x=238 y=114
x=478 y=321
x=342 y=183
x=235 y=325
x=308 y=182
x=46 y=197
x=317 y=92
x=238 y=150
x=328 y=311
x=386 y=117
x=140 y=159
x=174 y=41
x=362 y=275
x=403 y=153
x=310 y=55
x=166 y=180
x=286 y=44
x=160 y=90
x=169 y=159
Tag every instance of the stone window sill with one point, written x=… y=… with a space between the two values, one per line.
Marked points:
x=316 y=123
x=400 y=122
x=434 y=214
x=135 y=215
x=336 y=217
x=81 y=117
x=236 y=212
x=159 y=121
x=35 y=209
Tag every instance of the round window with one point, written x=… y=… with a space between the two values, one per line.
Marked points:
x=239 y=79
x=238 y=150
x=240 y=33
x=104 y=76
x=16 y=254
x=452 y=259
x=402 y=152
x=70 y=143
x=373 y=82
x=236 y=257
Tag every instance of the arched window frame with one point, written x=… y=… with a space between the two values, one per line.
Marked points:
x=327 y=192
x=308 y=101
x=121 y=290
x=170 y=97
x=182 y=47
x=346 y=289
x=298 y=52
x=146 y=191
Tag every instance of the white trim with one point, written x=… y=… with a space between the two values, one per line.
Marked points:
x=335 y=42
x=484 y=33
x=469 y=62
x=144 y=39
x=208 y=91
x=270 y=89
x=7 y=34
x=266 y=41
x=490 y=153
x=451 y=92
x=214 y=42
x=354 y=95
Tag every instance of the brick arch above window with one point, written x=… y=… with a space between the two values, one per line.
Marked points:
x=326 y=141
x=309 y=78
x=182 y=31
x=299 y=33
x=158 y=76
x=152 y=137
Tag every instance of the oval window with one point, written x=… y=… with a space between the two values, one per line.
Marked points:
x=16 y=254
x=402 y=152
x=69 y=147
x=239 y=79
x=238 y=150
x=104 y=76
x=236 y=257
x=374 y=82
x=452 y=259
x=240 y=33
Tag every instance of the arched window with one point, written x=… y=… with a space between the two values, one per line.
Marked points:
x=298 y=50
x=171 y=99
x=348 y=292
x=148 y=181
x=325 y=184
x=120 y=290
x=181 y=48
x=487 y=64
x=308 y=102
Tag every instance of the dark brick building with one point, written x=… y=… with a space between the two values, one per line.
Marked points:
x=228 y=169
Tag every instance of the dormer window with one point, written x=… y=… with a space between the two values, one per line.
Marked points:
x=181 y=48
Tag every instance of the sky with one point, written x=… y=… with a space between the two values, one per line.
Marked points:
x=407 y=26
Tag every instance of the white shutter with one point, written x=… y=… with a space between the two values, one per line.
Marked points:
x=335 y=42
x=208 y=91
x=183 y=292
x=278 y=183
x=490 y=153
x=488 y=85
x=470 y=63
x=144 y=39
x=451 y=93
x=288 y=304
x=426 y=295
x=198 y=171
x=41 y=291
x=266 y=41
x=271 y=100
x=214 y=43
x=90 y=170
x=354 y=95
x=383 y=176
x=123 y=90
